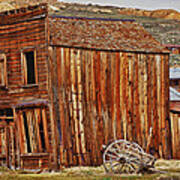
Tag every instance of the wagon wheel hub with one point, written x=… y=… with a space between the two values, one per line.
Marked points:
x=122 y=160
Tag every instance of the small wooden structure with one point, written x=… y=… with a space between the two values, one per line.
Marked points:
x=70 y=85
x=175 y=121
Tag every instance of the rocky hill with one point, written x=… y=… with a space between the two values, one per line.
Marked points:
x=164 y=25
x=67 y=7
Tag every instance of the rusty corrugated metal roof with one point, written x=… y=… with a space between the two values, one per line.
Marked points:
x=102 y=34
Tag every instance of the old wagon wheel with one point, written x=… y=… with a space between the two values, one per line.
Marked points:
x=122 y=156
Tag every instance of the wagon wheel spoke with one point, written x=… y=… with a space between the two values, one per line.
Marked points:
x=111 y=155
x=134 y=159
x=132 y=167
x=117 y=168
x=113 y=150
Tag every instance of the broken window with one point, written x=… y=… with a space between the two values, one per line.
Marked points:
x=3 y=78
x=29 y=67
x=33 y=130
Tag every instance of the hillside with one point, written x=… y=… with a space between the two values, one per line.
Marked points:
x=164 y=25
x=68 y=7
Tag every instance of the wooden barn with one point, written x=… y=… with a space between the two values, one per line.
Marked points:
x=69 y=85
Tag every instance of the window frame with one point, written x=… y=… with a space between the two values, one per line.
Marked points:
x=2 y=85
x=24 y=67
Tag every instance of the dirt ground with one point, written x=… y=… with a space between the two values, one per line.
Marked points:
x=171 y=169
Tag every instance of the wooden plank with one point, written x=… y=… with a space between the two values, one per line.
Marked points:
x=167 y=118
x=149 y=110
x=17 y=137
x=29 y=115
x=7 y=153
x=45 y=127
x=104 y=76
x=37 y=124
x=80 y=100
x=12 y=151
x=90 y=131
x=112 y=96
x=117 y=87
x=174 y=134
x=23 y=143
x=136 y=101
x=155 y=115
x=130 y=96
x=62 y=95
x=3 y=150
x=146 y=59
x=158 y=68
x=74 y=101
x=68 y=108
x=93 y=108
x=122 y=96
x=100 y=134
x=163 y=119
x=141 y=97
x=59 y=59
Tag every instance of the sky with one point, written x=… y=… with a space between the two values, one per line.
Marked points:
x=141 y=4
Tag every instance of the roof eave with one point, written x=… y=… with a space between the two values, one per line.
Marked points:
x=112 y=50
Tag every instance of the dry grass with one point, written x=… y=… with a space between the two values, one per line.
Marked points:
x=171 y=167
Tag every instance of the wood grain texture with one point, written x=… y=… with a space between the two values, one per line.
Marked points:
x=114 y=95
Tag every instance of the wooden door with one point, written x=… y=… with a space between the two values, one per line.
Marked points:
x=7 y=142
x=33 y=138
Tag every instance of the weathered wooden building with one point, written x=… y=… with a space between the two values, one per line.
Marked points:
x=70 y=85
x=175 y=121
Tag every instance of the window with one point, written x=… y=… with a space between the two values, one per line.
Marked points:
x=29 y=67
x=3 y=75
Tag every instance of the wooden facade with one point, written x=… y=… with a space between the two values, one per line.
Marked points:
x=25 y=124
x=175 y=132
x=67 y=89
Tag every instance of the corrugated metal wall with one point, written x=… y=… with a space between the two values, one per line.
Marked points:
x=101 y=96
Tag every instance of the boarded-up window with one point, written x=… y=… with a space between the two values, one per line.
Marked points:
x=33 y=130
x=3 y=76
x=29 y=67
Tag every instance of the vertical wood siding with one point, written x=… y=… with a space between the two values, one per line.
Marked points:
x=175 y=133
x=103 y=96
